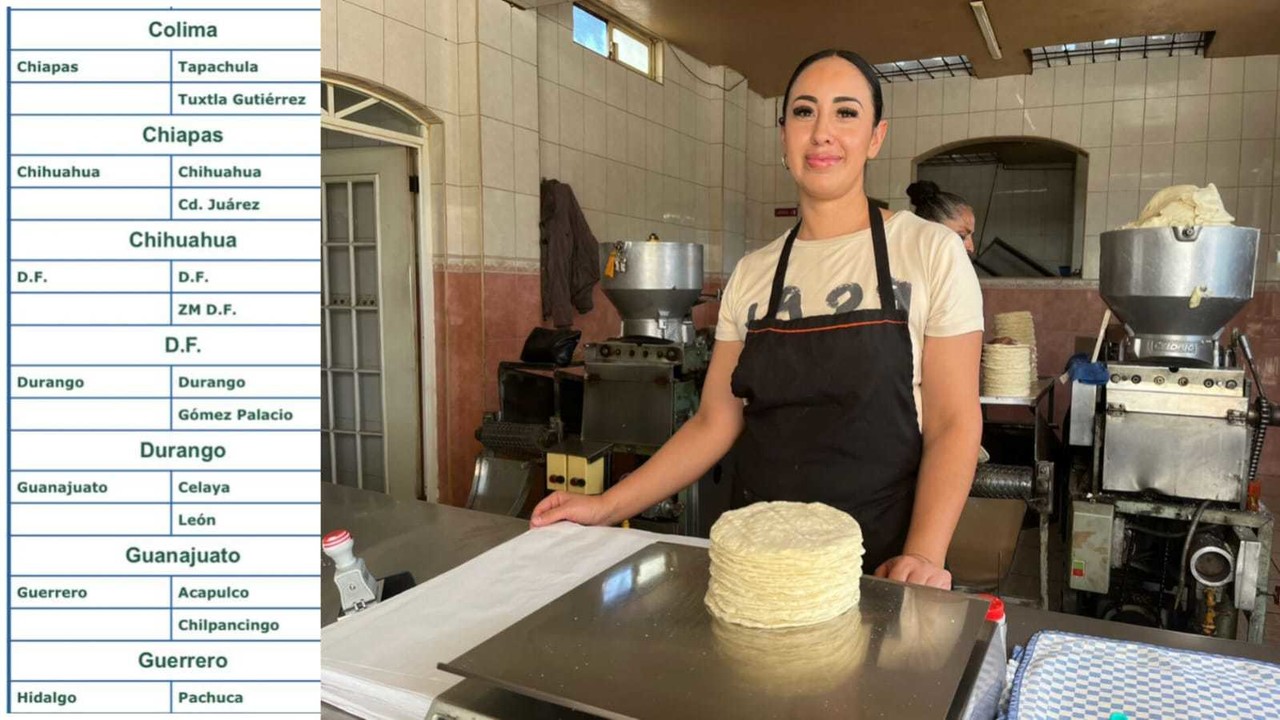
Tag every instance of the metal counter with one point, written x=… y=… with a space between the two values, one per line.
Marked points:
x=1023 y=622
x=427 y=540
x=636 y=641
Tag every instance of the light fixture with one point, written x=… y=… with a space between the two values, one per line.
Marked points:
x=984 y=24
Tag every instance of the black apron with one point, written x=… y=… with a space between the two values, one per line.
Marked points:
x=830 y=415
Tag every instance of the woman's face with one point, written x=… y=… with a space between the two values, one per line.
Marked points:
x=830 y=130
x=962 y=224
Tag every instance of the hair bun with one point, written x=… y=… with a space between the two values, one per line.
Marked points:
x=921 y=191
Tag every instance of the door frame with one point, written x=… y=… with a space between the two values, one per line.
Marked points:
x=424 y=243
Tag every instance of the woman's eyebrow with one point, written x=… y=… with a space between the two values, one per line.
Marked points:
x=838 y=99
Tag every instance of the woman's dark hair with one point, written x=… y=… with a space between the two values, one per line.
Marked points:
x=933 y=203
x=854 y=59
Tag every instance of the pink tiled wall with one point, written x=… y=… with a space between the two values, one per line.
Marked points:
x=485 y=321
x=487 y=316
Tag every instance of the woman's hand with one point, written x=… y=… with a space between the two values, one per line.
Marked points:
x=581 y=509
x=915 y=569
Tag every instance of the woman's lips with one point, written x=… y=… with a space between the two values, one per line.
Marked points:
x=819 y=162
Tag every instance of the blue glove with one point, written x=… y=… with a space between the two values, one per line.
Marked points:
x=1090 y=373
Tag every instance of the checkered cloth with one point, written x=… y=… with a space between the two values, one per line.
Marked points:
x=1078 y=677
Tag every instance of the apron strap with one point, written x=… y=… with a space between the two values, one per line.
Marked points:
x=879 y=244
x=780 y=274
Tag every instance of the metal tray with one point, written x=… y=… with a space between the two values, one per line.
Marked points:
x=636 y=641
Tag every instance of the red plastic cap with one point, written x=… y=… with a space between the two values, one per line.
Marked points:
x=995 y=610
x=337 y=537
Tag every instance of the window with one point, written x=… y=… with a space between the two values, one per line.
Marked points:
x=925 y=68
x=1112 y=49
x=590 y=31
x=604 y=35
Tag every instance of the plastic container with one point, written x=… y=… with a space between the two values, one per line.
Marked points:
x=984 y=701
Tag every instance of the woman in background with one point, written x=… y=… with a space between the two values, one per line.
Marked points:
x=933 y=203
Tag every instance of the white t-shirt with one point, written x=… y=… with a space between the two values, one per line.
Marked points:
x=932 y=277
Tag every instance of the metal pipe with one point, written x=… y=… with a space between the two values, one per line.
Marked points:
x=1186 y=549
x=1212 y=562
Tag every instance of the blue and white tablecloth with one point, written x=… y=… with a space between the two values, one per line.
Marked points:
x=1078 y=677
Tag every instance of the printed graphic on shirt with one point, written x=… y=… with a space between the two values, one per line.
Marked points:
x=843 y=298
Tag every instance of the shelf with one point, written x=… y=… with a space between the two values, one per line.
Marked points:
x=1042 y=387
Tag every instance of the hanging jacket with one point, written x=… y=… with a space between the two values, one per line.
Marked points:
x=570 y=255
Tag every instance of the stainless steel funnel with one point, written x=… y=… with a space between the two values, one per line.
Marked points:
x=1176 y=288
x=654 y=286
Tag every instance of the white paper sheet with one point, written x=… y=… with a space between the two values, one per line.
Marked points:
x=381 y=663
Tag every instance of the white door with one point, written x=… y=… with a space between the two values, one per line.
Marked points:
x=371 y=417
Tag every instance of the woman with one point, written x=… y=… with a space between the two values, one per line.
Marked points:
x=933 y=203
x=866 y=400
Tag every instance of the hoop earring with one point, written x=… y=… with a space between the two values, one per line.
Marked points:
x=784 y=163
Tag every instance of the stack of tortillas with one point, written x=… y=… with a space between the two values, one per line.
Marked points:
x=1012 y=352
x=784 y=564
x=1004 y=370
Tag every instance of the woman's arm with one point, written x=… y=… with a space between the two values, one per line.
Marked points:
x=688 y=455
x=952 y=425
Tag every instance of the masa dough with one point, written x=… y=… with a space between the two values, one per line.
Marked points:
x=784 y=564
x=1182 y=206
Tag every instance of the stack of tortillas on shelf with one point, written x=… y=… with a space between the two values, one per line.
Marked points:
x=1021 y=328
x=784 y=564
x=1004 y=369
x=1009 y=360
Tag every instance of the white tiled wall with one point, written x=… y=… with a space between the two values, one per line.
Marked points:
x=1145 y=124
x=518 y=100
x=642 y=156
x=510 y=115
x=769 y=185
x=473 y=65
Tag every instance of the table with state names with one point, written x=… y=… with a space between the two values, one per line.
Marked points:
x=164 y=346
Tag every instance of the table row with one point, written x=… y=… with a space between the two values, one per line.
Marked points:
x=170 y=414
x=164 y=697
x=141 y=309
x=177 y=277
x=164 y=204
x=164 y=660
x=179 y=240
x=161 y=519
x=151 y=98
x=164 y=624
x=125 y=309
x=162 y=134
x=165 y=171
x=164 y=487
x=160 y=66
x=128 y=450
x=221 y=593
x=163 y=381
x=211 y=345
x=141 y=556
x=251 y=29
